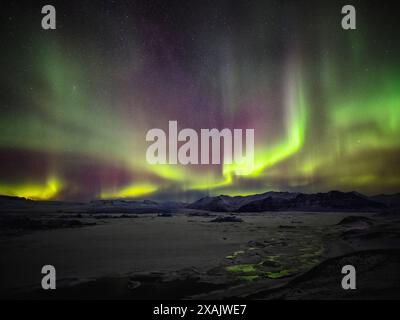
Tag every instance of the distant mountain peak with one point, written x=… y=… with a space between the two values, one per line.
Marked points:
x=290 y=201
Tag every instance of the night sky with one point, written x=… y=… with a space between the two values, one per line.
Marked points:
x=76 y=102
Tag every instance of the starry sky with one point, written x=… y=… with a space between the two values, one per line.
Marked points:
x=76 y=102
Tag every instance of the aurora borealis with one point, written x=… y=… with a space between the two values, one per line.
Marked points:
x=77 y=102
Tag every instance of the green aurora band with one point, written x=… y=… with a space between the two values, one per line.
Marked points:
x=329 y=119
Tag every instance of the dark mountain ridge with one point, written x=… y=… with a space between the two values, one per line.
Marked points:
x=268 y=201
x=286 y=201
